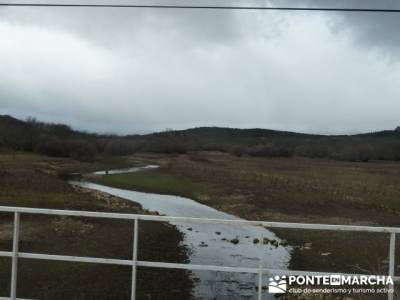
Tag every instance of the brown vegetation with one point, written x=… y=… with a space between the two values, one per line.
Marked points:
x=27 y=180
x=302 y=190
x=298 y=187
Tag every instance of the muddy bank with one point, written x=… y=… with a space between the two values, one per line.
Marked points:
x=27 y=183
x=110 y=200
x=211 y=244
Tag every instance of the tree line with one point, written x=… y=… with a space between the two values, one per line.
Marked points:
x=60 y=140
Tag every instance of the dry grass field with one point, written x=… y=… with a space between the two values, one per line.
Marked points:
x=299 y=189
x=28 y=180
x=278 y=189
x=289 y=190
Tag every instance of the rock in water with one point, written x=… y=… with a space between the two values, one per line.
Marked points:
x=235 y=241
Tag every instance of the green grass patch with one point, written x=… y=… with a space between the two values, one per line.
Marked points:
x=159 y=181
x=102 y=163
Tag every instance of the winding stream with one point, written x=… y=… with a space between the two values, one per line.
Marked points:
x=210 y=243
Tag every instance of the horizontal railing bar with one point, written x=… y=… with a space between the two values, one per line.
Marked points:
x=245 y=270
x=193 y=267
x=5 y=254
x=273 y=224
x=200 y=220
x=5 y=298
x=165 y=265
x=81 y=259
x=71 y=213
x=122 y=262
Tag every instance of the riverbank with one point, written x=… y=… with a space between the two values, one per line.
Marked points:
x=292 y=190
x=33 y=181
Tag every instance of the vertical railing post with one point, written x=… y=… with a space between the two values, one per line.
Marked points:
x=392 y=250
x=14 y=258
x=134 y=258
x=260 y=277
x=260 y=271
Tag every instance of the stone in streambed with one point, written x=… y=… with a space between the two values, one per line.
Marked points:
x=283 y=243
x=235 y=241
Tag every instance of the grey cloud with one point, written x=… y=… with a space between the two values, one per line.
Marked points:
x=378 y=31
x=126 y=71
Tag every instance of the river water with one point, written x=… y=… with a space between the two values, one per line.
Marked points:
x=210 y=243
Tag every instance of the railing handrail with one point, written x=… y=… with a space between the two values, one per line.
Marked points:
x=134 y=262
x=160 y=218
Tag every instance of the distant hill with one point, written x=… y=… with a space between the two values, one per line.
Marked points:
x=254 y=133
x=61 y=140
x=223 y=132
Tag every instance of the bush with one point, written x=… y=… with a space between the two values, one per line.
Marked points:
x=51 y=146
x=237 y=151
x=391 y=152
x=356 y=153
x=313 y=151
x=119 y=147
x=213 y=147
x=271 y=150
x=80 y=150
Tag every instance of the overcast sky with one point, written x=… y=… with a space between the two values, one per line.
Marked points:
x=142 y=70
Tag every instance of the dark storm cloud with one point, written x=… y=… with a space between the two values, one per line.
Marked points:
x=119 y=70
x=369 y=29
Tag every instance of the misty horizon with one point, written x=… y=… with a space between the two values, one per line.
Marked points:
x=167 y=128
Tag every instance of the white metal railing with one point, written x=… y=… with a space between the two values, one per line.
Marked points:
x=15 y=254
